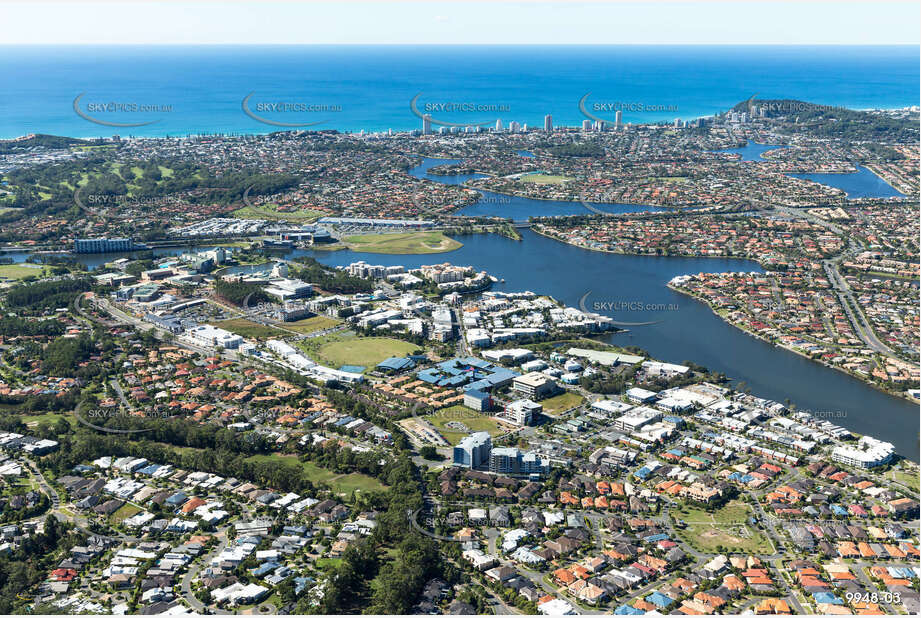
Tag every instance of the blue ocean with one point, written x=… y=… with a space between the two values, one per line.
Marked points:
x=158 y=91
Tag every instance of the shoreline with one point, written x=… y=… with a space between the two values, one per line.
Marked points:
x=903 y=395
x=800 y=353
x=175 y=133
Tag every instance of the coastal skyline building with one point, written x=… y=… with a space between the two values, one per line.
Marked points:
x=548 y=123
x=426 y=124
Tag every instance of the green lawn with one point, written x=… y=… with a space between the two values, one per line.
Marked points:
x=324 y=564
x=905 y=478
x=364 y=351
x=310 y=325
x=270 y=212
x=545 y=179
x=403 y=244
x=124 y=512
x=21 y=271
x=48 y=418
x=724 y=527
x=339 y=483
x=349 y=483
x=475 y=421
x=678 y=179
x=249 y=329
x=561 y=403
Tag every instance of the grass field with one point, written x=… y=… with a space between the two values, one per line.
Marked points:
x=545 y=179
x=325 y=564
x=270 y=212
x=561 y=403
x=725 y=527
x=124 y=512
x=402 y=244
x=904 y=477
x=311 y=325
x=21 y=271
x=339 y=483
x=474 y=421
x=365 y=351
x=48 y=418
x=248 y=328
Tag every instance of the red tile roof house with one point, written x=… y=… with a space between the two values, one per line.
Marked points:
x=63 y=575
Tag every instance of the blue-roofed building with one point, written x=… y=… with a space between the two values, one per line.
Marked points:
x=264 y=569
x=477 y=400
x=837 y=509
x=177 y=498
x=655 y=538
x=429 y=376
x=659 y=600
x=457 y=372
x=642 y=473
x=301 y=583
x=626 y=610
x=395 y=364
x=453 y=381
x=502 y=376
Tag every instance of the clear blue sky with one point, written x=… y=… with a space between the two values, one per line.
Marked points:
x=470 y=22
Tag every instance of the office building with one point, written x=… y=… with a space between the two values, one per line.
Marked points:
x=473 y=450
x=210 y=337
x=636 y=418
x=510 y=461
x=102 y=245
x=534 y=385
x=477 y=400
x=289 y=289
x=548 y=123
x=523 y=412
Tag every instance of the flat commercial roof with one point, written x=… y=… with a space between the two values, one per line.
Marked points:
x=605 y=358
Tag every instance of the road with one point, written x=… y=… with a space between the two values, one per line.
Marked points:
x=195 y=569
